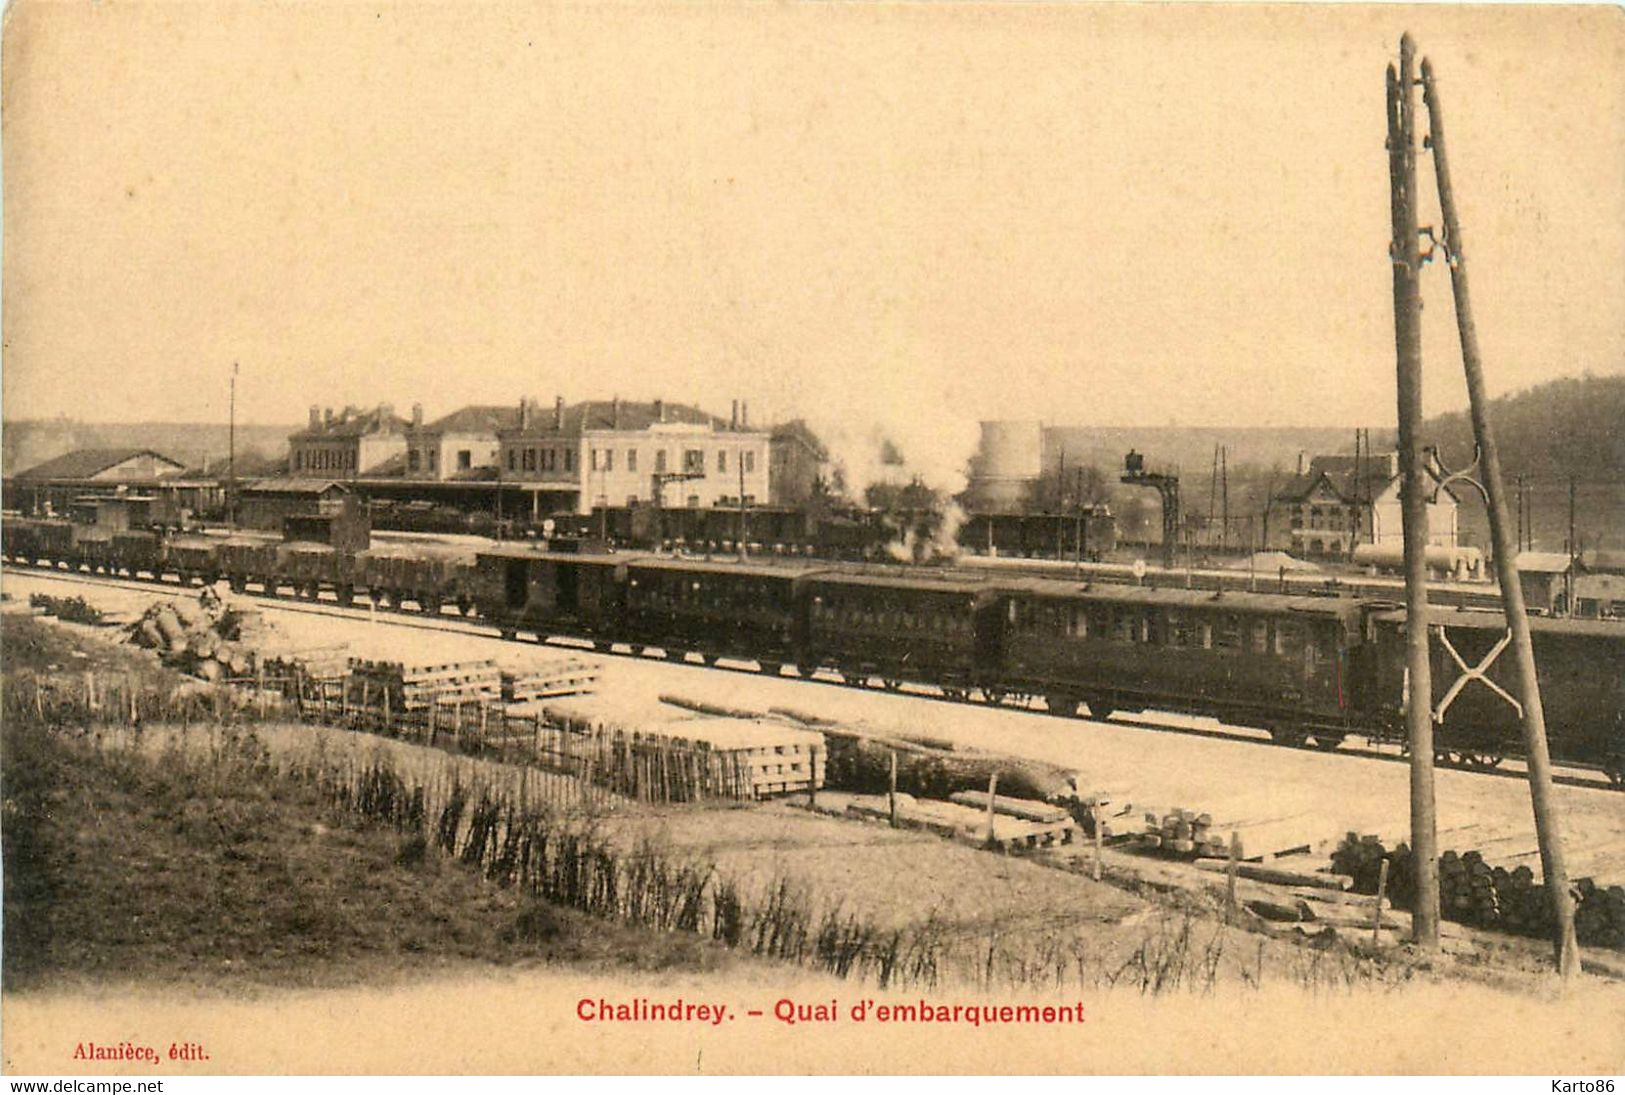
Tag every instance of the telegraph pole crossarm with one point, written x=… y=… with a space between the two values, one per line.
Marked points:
x=1533 y=718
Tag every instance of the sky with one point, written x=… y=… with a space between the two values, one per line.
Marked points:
x=886 y=215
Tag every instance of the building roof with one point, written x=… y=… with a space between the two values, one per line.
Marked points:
x=608 y=414
x=1352 y=478
x=353 y=423
x=292 y=486
x=475 y=418
x=1542 y=562
x=88 y=463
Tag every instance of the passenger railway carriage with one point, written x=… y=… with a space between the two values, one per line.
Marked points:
x=551 y=592
x=1580 y=663
x=715 y=609
x=1307 y=669
x=1281 y=663
x=934 y=630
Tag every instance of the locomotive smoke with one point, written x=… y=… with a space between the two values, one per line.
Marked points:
x=917 y=423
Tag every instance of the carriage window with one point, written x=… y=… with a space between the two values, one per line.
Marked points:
x=1125 y=626
x=1079 y=624
x=1259 y=636
x=1153 y=628
x=1288 y=638
x=1227 y=634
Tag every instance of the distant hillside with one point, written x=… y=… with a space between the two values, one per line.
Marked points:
x=1573 y=427
x=1190 y=448
x=26 y=443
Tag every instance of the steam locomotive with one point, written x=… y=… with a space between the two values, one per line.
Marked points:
x=1308 y=670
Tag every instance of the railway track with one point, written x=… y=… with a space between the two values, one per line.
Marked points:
x=420 y=619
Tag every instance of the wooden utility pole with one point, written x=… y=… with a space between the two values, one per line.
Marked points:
x=231 y=451
x=1547 y=830
x=1406 y=261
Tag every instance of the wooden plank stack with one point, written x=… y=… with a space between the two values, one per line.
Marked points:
x=418 y=687
x=566 y=675
x=772 y=759
x=629 y=746
x=321 y=663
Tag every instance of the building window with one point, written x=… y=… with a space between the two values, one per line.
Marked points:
x=412 y=456
x=298 y=461
x=530 y=459
x=609 y=459
x=434 y=459
x=592 y=456
x=694 y=460
x=465 y=459
x=750 y=462
x=631 y=459
x=722 y=460
x=693 y=501
x=511 y=454
x=569 y=460
x=660 y=461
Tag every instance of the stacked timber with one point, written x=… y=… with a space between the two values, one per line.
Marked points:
x=1183 y=833
x=1014 y=826
x=675 y=754
x=1600 y=918
x=403 y=686
x=862 y=762
x=320 y=664
x=1361 y=858
x=562 y=675
x=187 y=635
x=1473 y=891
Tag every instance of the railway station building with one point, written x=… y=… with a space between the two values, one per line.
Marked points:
x=462 y=445
x=56 y=485
x=1342 y=501
x=573 y=458
x=350 y=444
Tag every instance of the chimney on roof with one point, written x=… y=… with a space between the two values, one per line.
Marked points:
x=417 y=414
x=386 y=411
x=558 y=412
x=744 y=415
x=327 y=417
x=1300 y=461
x=733 y=416
x=524 y=414
x=615 y=413
x=315 y=416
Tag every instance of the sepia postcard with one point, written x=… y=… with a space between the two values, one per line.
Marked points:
x=812 y=538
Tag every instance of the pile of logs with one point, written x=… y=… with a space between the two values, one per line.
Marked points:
x=193 y=637
x=1600 y=919
x=1471 y=891
x=1183 y=833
